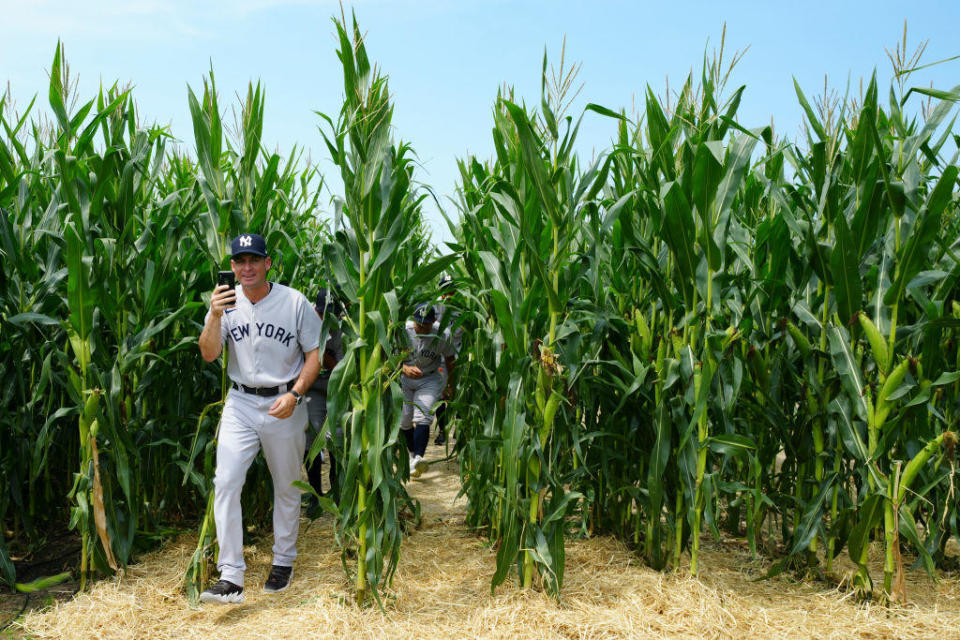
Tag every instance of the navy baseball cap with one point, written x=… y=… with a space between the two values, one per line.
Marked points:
x=425 y=314
x=249 y=243
x=327 y=302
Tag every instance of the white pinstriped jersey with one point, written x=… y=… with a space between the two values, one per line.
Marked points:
x=427 y=351
x=268 y=339
x=456 y=337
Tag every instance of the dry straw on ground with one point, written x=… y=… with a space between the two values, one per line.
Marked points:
x=442 y=591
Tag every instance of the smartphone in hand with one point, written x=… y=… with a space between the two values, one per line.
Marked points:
x=226 y=277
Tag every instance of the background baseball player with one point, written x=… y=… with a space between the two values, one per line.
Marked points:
x=328 y=310
x=447 y=319
x=422 y=381
x=273 y=336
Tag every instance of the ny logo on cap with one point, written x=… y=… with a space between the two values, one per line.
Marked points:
x=246 y=241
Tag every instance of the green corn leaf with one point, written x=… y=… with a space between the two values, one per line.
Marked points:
x=43 y=583
x=913 y=256
x=678 y=234
x=848 y=370
x=812 y=118
x=81 y=296
x=846 y=271
x=57 y=92
x=811 y=521
x=731 y=444
x=22 y=319
x=848 y=432
x=907 y=527
x=533 y=161
x=735 y=171
x=610 y=113
x=869 y=516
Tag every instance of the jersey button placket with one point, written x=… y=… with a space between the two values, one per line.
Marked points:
x=256 y=342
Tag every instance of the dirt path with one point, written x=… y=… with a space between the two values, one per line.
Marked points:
x=442 y=590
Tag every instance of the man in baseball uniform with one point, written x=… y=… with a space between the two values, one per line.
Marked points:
x=273 y=336
x=447 y=322
x=422 y=381
x=328 y=310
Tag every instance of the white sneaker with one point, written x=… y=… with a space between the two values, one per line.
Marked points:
x=417 y=466
x=224 y=592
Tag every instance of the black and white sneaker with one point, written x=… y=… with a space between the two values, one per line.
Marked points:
x=279 y=579
x=224 y=592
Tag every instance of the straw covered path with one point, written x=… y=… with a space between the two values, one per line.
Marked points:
x=442 y=590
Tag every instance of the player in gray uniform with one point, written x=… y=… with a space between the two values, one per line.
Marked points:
x=446 y=322
x=328 y=310
x=447 y=290
x=273 y=358
x=422 y=381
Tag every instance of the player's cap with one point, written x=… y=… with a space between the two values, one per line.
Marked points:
x=249 y=243
x=326 y=301
x=446 y=282
x=425 y=314
x=340 y=296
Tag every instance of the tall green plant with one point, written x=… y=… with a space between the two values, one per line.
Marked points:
x=377 y=226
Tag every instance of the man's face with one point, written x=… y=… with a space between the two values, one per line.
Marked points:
x=251 y=270
x=422 y=327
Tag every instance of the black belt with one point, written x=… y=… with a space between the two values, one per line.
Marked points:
x=264 y=391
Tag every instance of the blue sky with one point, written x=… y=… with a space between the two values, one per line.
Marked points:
x=446 y=59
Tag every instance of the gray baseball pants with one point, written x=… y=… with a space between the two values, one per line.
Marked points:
x=245 y=428
x=420 y=397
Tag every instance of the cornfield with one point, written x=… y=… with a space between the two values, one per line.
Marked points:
x=705 y=329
